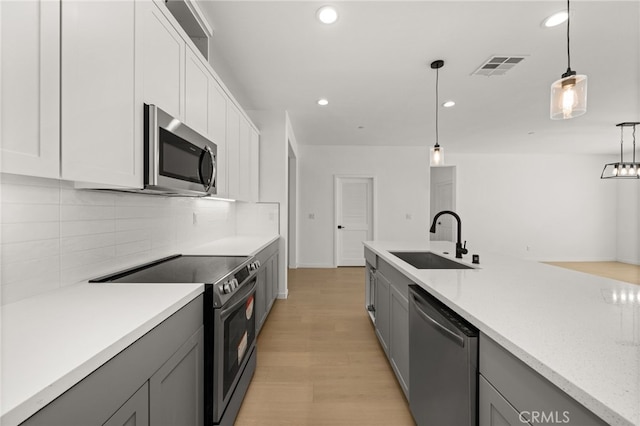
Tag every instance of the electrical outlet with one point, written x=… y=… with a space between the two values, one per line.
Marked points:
x=195 y=218
x=312 y=215
x=408 y=216
x=528 y=248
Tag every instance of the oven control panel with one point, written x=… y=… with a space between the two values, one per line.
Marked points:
x=232 y=284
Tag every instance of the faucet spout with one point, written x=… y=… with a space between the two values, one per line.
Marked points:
x=460 y=249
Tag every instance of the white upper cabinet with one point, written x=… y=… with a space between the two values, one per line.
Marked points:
x=101 y=115
x=75 y=75
x=254 y=166
x=233 y=151
x=218 y=133
x=163 y=58
x=30 y=120
x=198 y=85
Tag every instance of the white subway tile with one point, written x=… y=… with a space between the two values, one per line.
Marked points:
x=86 y=257
x=86 y=212
x=7 y=178
x=86 y=242
x=87 y=197
x=22 y=213
x=16 y=252
x=25 y=194
x=132 y=248
x=42 y=268
x=132 y=212
x=86 y=227
x=133 y=236
x=20 y=232
x=23 y=289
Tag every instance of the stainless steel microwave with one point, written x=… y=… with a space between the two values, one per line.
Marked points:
x=177 y=159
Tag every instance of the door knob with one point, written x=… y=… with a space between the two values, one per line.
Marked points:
x=340 y=226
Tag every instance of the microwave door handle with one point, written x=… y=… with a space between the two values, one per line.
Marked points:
x=208 y=183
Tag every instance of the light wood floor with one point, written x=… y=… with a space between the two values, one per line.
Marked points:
x=319 y=361
x=616 y=270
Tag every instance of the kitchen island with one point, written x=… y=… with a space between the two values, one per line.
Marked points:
x=579 y=332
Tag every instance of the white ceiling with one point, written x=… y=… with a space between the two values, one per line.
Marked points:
x=373 y=66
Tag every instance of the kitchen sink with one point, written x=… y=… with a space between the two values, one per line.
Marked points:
x=428 y=260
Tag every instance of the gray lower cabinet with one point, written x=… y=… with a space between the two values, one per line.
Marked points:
x=513 y=391
x=392 y=323
x=383 y=307
x=495 y=410
x=267 y=281
x=399 y=339
x=134 y=412
x=260 y=301
x=157 y=380
x=176 y=389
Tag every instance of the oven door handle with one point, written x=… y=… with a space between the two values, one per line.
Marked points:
x=227 y=311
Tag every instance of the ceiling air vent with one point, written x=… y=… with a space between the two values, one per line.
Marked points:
x=498 y=65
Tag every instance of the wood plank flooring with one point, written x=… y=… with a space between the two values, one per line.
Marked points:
x=319 y=361
x=616 y=270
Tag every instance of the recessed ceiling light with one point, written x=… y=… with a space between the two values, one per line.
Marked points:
x=323 y=102
x=555 y=19
x=448 y=104
x=327 y=14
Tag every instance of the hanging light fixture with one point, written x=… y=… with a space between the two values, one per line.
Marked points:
x=569 y=94
x=622 y=169
x=436 y=153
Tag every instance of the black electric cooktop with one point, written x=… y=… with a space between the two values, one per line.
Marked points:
x=179 y=269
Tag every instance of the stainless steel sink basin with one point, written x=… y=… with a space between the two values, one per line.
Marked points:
x=428 y=260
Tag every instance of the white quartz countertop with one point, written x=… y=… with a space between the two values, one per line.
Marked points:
x=234 y=246
x=52 y=341
x=581 y=332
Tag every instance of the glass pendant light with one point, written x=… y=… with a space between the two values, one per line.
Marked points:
x=569 y=94
x=623 y=169
x=436 y=153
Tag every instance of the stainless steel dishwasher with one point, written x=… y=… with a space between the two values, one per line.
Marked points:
x=443 y=360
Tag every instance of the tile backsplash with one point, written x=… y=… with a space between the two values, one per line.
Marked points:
x=54 y=235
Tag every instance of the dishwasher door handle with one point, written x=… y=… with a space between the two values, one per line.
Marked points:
x=435 y=324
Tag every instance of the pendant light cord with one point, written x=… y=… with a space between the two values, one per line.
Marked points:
x=634 y=143
x=568 y=25
x=437 y=75
x=622 y=144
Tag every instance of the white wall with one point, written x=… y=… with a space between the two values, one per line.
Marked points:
x=557 y=206
x=402 y=188
x=628 y=214
x=276 y=134
x=54 y=235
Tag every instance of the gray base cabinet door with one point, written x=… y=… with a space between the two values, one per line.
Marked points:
x=495 y=410
x=134 y=412
x=176 y=389
x=399 y=344
x=260 y=303
x=383 y=302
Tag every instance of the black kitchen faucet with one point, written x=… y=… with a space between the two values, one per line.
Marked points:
x=460 y=249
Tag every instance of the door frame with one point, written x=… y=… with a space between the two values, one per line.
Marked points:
x=374 y=209
x=432 y=193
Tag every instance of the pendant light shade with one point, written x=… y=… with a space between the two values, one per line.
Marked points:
x=569 y=94
x=623 y=169
x=569 y=97
x=436 y=153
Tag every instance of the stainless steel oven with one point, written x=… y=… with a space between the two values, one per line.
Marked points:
x=229 y=322
x=177 y=159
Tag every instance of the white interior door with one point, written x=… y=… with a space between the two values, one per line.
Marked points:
x=443 y=198
x=354 y=219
